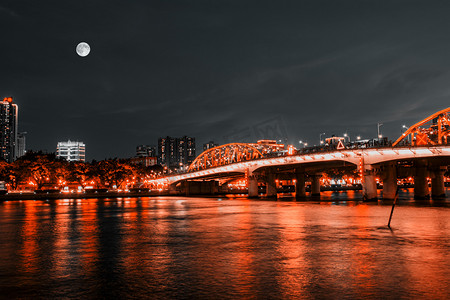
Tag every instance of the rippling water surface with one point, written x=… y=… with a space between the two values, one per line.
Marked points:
x=208 y=248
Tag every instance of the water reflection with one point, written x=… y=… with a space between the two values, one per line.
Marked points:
x=203 y=248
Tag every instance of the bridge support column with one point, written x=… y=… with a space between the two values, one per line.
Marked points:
x=437 y=183
x=252 y=182
x=300 y=184
x=390 y=181
x=212 y=187
x=209 y=187
x=369 y=184
x=315 y=184
x=421 y=190
x=271 y=186
x=172 y=189
x=187 y=190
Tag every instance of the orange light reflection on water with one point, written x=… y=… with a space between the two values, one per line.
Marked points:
x=293 y=278
x=89 y=230
x=283 y=249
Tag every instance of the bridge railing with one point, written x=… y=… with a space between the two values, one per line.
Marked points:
x=437 y=133
x=322 y=149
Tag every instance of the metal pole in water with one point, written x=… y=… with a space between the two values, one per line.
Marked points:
x=392 y=209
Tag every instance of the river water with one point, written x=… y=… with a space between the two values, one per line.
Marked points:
x=214 y=248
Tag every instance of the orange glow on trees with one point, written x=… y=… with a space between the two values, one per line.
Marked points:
x=40 y=171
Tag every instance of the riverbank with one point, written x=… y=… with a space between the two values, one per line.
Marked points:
x=86 y=195
x=103 y=194
x=54 y=195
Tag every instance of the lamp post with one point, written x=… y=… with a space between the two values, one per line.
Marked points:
x=303 y=143
x=406 y=129
x=347 y=136
x=320 y=138
x=378 y=130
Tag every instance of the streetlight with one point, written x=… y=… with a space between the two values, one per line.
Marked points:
x=378 y=130
x=347 y=136
x=358 y=137
x=303 y=143
x=403 y=132
x=320 y=138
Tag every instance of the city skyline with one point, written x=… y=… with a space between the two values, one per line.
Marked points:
x=221 y=71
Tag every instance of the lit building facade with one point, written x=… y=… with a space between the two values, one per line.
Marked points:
x=71 y=151
x=145 y=151
x=21 y=144
x=176 y=152
x=9 y=113
x=186 y=150
x=167 y=154
x=145 y=161
x=209 y=145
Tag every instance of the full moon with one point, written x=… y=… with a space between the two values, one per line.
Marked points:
x=83 y=49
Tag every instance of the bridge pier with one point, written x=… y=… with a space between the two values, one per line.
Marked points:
x=437 y=183
x=315 y=184
x=209 y=187
x=390 y=181
x=172 y=189
x=252 y=182
x=271 y=186
x=300 y=191
x=369 y=184
x=187 y=188
x=421 y=190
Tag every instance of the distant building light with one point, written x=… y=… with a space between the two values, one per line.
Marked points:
x=71 y=151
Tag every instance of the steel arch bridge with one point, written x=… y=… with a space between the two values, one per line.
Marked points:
x=434 y=130
x=315 y=161
x=429 y=140
x=225 y=155
x=431 y=131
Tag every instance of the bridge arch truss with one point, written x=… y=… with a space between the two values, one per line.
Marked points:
x=225 y=155
x=431 y=131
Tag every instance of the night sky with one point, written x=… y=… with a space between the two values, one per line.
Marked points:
x=221 y=70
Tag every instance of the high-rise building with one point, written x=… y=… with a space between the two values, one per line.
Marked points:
x=21 y=144
x=176 y=152
x=209 y=145
x=145 y=151
x=167 y=154
x=8 y=129
x=71 y=151
x=186 y=150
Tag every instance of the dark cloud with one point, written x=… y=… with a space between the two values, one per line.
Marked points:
x=7 y=11
x=211 y=68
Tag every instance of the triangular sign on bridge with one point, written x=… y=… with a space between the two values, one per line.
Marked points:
x=340 y=145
